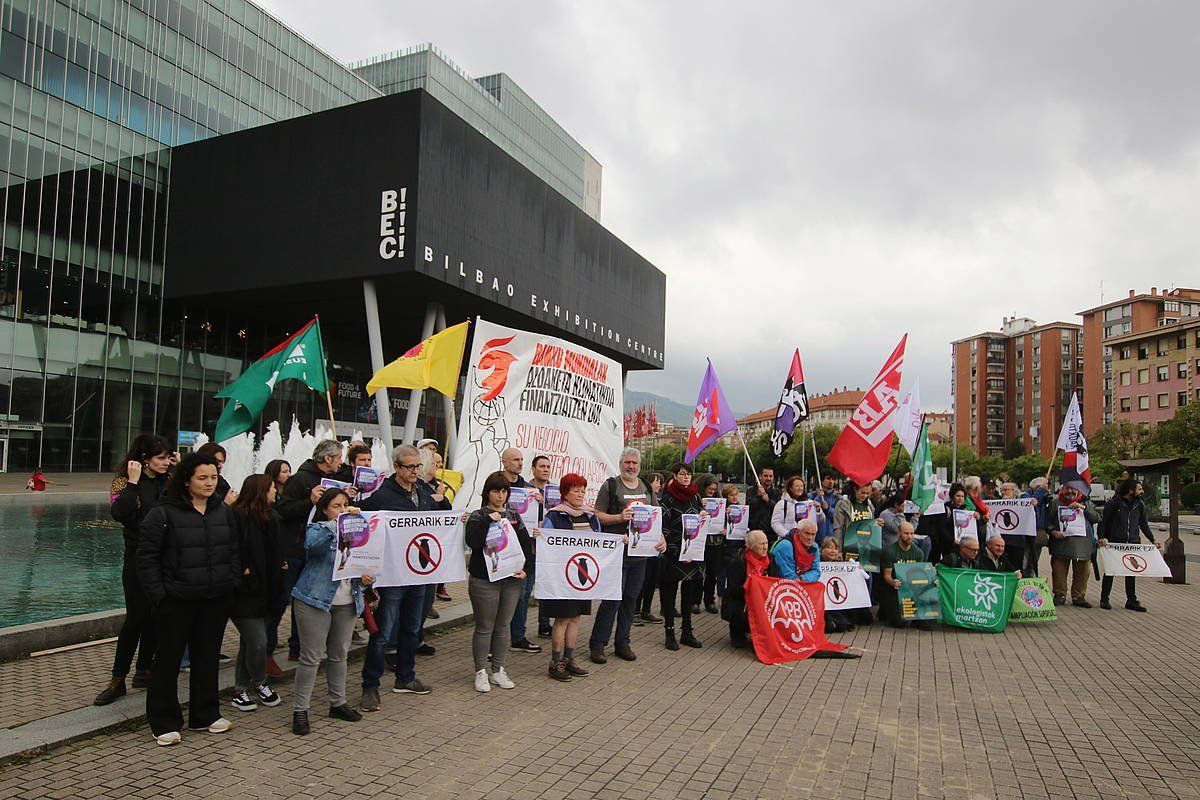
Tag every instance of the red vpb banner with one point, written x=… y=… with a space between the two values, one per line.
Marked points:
x=787 y=619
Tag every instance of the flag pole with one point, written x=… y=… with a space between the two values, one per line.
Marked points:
x=803 y=459
x=325 y=371
x=746 y=450
x=813 y=436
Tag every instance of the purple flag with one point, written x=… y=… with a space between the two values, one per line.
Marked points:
x=712 y=418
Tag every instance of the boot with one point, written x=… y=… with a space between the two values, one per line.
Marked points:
x=114 y=689
x=671 y=643
x=688 y=639
x=300 y=725
x=141 y=679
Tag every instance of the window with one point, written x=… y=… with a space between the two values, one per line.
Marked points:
x=1181 y=342
x=1163 y=401
x=1143 y=376
x=1164 y=346
x=1126 y=378
x=1171 y=305
x=1126 y=352
x=1126 y=403
x=1163 y=373
x=1143 y=352
x=1143 y=402
x=1115 y=313
x=1181 y=400
x=1181 y=369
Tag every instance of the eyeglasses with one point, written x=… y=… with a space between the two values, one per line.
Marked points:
x=408 y=466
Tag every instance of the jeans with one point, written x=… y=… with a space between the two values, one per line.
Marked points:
x=289 y=582
x=250 y=668
x=323 y=634
x=492 y=605
x=198 y=625
x=430 y=597
x=1130 y=588
x=137 y=631
x=398 y=616
x=516 y=628
x=633 y=572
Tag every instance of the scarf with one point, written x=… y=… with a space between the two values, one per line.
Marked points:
x=683 y=494
x=804 y=559
x=756 y=564
x=976 y=500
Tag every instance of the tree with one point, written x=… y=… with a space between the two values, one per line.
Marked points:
x=1015 y=449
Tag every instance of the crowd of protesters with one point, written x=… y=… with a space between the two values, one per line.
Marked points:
x=199 y=554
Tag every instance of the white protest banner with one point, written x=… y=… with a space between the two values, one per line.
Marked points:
x=964 y=524
x=502 y=551
x=1012 y=517
x=1071 y=521
x=523 y=501
x=360 y=548
x=714 y=521
x=423 y=547
x=578 y=565
x=691 y=549
x=645 y=530
x=367 y=480
x=737 y=518
x=845 y=585
x=1137 y=560
x=543 y=396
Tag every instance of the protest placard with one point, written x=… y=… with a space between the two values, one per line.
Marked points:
x=578 y=565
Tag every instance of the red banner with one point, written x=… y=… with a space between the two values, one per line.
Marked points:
x=787 y=619
x=861 y=451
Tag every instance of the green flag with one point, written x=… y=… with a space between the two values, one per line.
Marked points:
x=301 y=356
x=976 y=599
x=1033 y=602
x=923 y=489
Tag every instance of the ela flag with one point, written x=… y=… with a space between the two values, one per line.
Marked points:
x=793 y=407
x=301 y=357
x=924 y=487
x=976 y=599
x=1075 y=469
x=861 y=451
x=432 y=364
x=907 y=423
x=712 y=417
x=787 y=619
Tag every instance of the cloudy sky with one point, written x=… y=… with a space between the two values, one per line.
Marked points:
x=828 y=176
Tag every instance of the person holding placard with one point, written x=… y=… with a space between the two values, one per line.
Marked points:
x=650 y=584
x=1124 y=518
x=1070 y=519
x=683 y=578
x=902 y=551
x=714 y=500
x=570 y=514
x=494 y=591
x=836 y=621
x=854 y=506
x=549 y=498
x=753 y=559
x=943 y=531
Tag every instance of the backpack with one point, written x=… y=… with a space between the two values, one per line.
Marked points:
x=611 y=484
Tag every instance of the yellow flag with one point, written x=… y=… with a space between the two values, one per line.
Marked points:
x=433 y=364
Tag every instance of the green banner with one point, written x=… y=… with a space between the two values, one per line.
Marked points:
x=864 y=541
x=976 y=599
x=1033 y=601
x=918 y=591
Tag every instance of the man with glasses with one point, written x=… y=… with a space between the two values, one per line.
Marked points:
x=401 y=608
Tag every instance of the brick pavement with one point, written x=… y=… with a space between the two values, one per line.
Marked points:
x=1018 y=715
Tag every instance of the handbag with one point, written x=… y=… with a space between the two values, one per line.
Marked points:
x=370 y=597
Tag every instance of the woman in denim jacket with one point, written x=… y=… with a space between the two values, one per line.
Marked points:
x=325 y=611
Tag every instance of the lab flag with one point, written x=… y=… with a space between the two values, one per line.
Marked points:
x=300 y=357
x=924 y=487
x=792 y=409
x=578 y=565
x=907 y=423
x=1137 y=560
x=1075 y=470
x=861 y=451
x=432 y=364
x=787 y=619
x=712 y=418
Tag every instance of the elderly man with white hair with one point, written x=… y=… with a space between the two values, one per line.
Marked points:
x=994 y=559
x=752 y=560
x=1033 y=552
x=966 y=556
x=796 y=557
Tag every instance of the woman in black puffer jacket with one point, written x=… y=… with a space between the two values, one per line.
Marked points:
x=189 y=565
x=136 y=490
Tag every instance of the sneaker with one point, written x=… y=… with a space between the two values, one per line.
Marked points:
x=1061 y=600
x=266 y=695
x=426 y=649
x=481 y=681
x=1081 y=602
x=359 y=638
x=638 y=621
x=543 y=633
x=576 y=670
x=651 y=618
x=370 y=700
x=168 y=739
x=501 y=679
x=558 y=671
x=695 y=608
x=242 y=702
x=710 y=607
x=412 y=687
x=345 y=713
x=433 y=614
x=219 y=726
x=442 y=594
x=525 y=646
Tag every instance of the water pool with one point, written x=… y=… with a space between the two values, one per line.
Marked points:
x=62 y=556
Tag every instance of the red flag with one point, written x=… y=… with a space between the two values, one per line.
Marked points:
x=861 y=452
x=787 y=619
x=639 y=422
x=652 y=419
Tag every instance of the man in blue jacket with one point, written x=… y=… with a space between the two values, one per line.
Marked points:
x=796 y=557
x=401 y=608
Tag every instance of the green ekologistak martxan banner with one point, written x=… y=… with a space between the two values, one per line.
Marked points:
x=918 y=591
x=976 y=599
x=1033 y=602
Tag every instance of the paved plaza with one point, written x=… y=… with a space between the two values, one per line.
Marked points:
x=1099 y=704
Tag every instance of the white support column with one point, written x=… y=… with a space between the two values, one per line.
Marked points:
x=415 y=395
x=447 y=402
x=375 y=339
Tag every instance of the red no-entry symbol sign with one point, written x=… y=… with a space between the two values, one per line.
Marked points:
x=1007 y=519
x=583 y=572
x=1134 y=563
x=836 y=591
x=424 y=553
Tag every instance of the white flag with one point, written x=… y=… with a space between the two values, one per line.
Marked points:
x=578 y=565
x=907 y=421
x=1075 y=471
x=845 y=585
